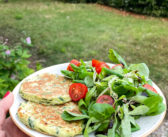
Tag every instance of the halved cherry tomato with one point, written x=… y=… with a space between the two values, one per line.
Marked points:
x=105 y=99
x=77 y=91
x=116 y=66
x=95 y=62
x=149 y=87
x=100 y=66
x=75 y=62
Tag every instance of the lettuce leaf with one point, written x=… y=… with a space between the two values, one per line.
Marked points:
x=122 y=87
x=101 y=111
x=142 y=69
x=140 y=110
x=155 y=105
x=125 y=123
x=116 y=58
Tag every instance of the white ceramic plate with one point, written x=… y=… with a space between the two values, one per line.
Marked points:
x=147 y=124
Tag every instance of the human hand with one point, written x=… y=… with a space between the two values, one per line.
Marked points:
x=7 y=127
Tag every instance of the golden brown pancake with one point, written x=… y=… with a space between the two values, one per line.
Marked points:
x=47 y=119
x=48 y=89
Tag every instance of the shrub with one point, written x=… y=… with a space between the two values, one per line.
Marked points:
x=149 y=7
x=80 y=1
x=13 y=67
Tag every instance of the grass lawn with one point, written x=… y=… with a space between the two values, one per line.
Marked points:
x=61 y=32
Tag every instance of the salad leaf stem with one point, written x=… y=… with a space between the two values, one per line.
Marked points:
x=89 y=129
x=103 y=92
x=112 y=131
x=79 y=81
x=111 y=72
x=89 y=95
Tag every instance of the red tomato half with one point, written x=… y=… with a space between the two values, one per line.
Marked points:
x=100 y=66
x=116 y=66
x=95 y=62
x=149 y=87
x=77 y=91
x=75 y=62
x=105 y=99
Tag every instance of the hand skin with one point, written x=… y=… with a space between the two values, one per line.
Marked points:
x=7 y=127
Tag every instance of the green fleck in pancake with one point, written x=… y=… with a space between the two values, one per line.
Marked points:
x=47 y=119
x=48 y=89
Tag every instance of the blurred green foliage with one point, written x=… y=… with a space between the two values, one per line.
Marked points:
x=13 y=67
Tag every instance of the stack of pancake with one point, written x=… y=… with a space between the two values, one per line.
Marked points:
x=47 y=97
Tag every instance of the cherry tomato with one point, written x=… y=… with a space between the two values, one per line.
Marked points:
x=77 y=91
x=116 y=66
x=149 y=87
x=75 y=62
x=105 y=99
x=95 y=62
x=100 y=66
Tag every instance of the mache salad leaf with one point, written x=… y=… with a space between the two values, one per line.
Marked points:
x=69 y=116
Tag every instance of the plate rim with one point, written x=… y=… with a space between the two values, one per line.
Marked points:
x=29 y=134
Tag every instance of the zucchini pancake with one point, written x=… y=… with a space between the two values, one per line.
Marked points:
x=47 y=119
x=46 y=88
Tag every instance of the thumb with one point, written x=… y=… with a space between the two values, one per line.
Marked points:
x=5 y=104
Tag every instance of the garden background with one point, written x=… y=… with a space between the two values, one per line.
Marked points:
x=60 y=31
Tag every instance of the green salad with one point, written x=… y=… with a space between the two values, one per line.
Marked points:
x=111 y=98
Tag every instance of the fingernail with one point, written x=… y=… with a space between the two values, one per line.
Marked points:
x=6 y=94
